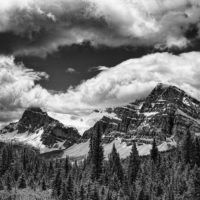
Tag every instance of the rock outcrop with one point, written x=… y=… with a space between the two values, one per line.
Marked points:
x=167 y=111
x=35 y=120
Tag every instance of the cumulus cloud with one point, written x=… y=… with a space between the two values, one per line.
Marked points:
x=70 y=70
x=118 y=85
x=40 y=27
x=17 y=88
x=99 y=68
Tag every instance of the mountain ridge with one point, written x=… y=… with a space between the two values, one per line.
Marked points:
x=166 y=114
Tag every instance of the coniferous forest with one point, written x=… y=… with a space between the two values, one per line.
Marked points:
x=173 y=175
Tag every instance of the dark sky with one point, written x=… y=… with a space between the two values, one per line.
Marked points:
x=82 y=58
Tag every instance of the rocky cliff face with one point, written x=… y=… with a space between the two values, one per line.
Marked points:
x=167 y=111
x=47 y=131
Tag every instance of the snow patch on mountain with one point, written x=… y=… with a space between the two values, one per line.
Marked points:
x=83 y=122
x=33 y=139
x=81 y=150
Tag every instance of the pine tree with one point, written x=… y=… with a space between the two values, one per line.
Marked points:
x=114 y=183
x=95 y=195
x=96 y=155
x=115 y=164
x=82 y=193
x=8 y=183
x=4 y=160
x=44 y=187
x=195 y=184
x=109 y=196
x=16 y=172
x=31 y=183
x=187 y=148
x=141 y=195
x=1 y=185
x=57 y=183
x=134 y=164
x=63 y=195
x=50 y=169
x=67 y=166
x=70 y=188
x=24 y=159
x=154 y=151
x=22 y=182
x=196 y=156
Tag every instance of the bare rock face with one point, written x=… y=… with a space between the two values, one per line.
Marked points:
x=167 y=111
x=32 y=119
x=53 y=132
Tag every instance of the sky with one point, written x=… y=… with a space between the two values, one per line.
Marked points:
x=71 y=57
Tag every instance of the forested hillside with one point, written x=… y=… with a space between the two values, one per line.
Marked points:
x=25 y=175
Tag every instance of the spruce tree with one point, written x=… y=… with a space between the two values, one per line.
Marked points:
x=70 y=188
x=44 y=187
x=82 y=193
x=96 y=155
x=63 y=195
x=4 y=160
x=24 y=159
x=114 y=183
x=16 y=172
x=66 y=166
x=115 y=164
x=1 y=185
x=57 y=183
x=141 y=195
x=8 y=183
x=109 y=196
x=134 y=164
x=154 y=151
x=194 y=188
x=22 y=182
x=95 y=195
x=50 y=168
x=187 y=148
x=196 y=156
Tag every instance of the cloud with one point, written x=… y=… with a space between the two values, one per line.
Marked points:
x=17 y=88
x=118 y=85
x=99 y=68
x=41 y=27
x=70 y=70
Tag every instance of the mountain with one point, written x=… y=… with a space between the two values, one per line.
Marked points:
x=41 y=131
x=166 y=114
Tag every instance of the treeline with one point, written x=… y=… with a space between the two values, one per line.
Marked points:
x=173 y=175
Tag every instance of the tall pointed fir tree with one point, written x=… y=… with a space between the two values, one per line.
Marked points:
x=96 y=154
x=196 y=156
x=82 y=193
x=4 y=161
x=22 y=182
x=57 y=183
x=154 y=151
x=8 y=182
x=115 y=164
x=44 y=186
x=67 y=166
x=134 y=164
x=187 y=148
x=70 y=188
x=95 y=194
x=194 y=184
x=63 y=195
